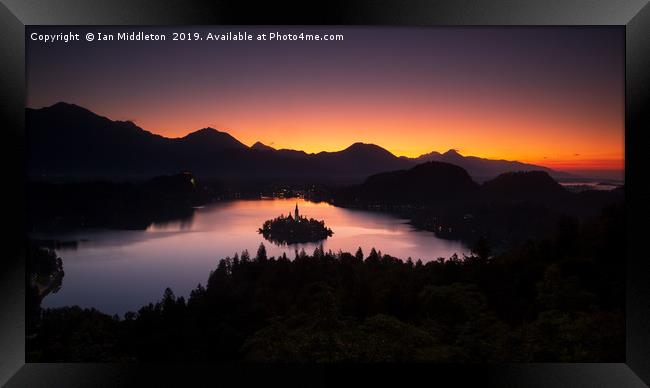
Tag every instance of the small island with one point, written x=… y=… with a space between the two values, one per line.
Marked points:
x=294 y=229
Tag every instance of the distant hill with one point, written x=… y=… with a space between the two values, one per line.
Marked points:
x=425 y=183
x=66 y=140
x=528 y=185
x=262 y=147
x=440 y=183
x=482 y=169
x=443 y=198
x=210 y=139
x=361 y=157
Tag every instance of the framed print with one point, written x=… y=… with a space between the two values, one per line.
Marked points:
x=207 y=192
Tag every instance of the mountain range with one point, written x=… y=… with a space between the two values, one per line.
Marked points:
x=482 y=169
x=66 y=140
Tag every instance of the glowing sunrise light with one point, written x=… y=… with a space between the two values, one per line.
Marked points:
x=549 y=96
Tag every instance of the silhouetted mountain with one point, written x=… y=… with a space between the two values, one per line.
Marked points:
x=361 y=157
x=262 y=147
x=425 y=183
x=482 y=169
x=525 y=185
x=292 y=153
x=66 y=140
x=429 y=157
x=211 y=139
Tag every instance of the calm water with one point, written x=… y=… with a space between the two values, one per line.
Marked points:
x=591 y=185
x=119 y=271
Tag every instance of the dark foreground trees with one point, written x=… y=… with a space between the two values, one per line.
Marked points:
x=559 y=299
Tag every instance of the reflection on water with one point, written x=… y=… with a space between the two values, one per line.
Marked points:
x=117 y=271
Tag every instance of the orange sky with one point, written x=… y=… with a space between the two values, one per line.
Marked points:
x=572 y=136
x=549 y=96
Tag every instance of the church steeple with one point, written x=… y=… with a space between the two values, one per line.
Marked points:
x=296 y=213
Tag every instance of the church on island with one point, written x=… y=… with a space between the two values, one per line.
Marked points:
x=296 y=214
x=294 y=229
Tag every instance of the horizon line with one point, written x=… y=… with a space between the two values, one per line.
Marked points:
x=457 y=150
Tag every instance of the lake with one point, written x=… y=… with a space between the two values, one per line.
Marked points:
x=116 y=271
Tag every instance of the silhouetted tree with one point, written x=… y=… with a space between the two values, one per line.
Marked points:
x=261 y=253
x=359 y=255
x=482 y=249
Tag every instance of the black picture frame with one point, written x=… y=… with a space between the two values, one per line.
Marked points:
x=634 y=15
